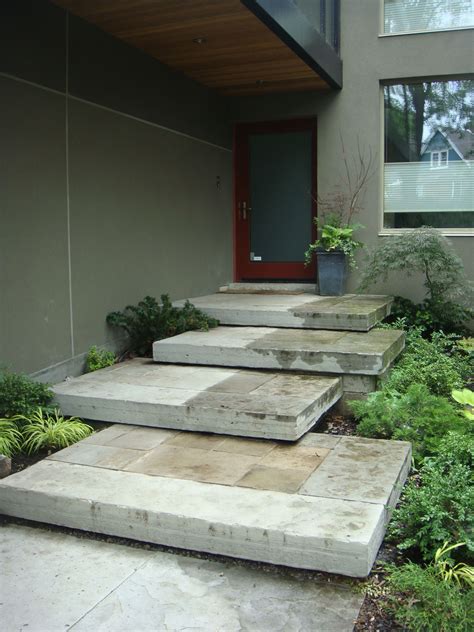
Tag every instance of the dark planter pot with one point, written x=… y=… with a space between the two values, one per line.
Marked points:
x=332 y=272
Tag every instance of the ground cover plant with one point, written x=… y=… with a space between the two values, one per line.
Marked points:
x=423 y=601
x=20 y=395
x=149 y=321
x=437 y=504
x=426 y=252
x=99 y=359
x=414 y=415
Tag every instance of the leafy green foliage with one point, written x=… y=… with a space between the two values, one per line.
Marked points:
x=424 y=602
x=437 y=506
x=466 y=399
x=440 y=315
x=424 y=251
x=460 y=573
x=148 y=321
x=10 y=438
x=20 y=395
x=416 y=416
x=334 y=236
x=437 y=363
x=44 y=431
x=99 y=359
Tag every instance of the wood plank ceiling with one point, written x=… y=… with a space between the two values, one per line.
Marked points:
x=238 y=54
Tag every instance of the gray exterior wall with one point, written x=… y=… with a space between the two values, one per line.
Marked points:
x=108 y=185
x=356 y=111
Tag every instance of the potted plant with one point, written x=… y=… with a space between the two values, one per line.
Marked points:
x=334 y=250
x=335 y=245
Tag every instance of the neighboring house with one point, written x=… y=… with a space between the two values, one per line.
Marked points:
x=173 y=146
x=443 y=148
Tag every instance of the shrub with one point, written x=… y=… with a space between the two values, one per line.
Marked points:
x=10 y=438
x=424 y=602
x=99 y=359
x=437 y=507
x=416 y=416
x=148 y=321
x=44 y=431
x=20 y=395
x=427 y=252
x=437 y=363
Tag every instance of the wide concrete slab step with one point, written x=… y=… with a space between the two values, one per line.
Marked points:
x=321 y=504
x=317 y=351
x=351 y=312
x=269 y=288
x=228 y=401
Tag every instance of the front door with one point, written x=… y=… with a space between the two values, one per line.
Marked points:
x=275 y=199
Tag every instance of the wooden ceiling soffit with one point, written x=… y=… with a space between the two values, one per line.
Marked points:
x=236 y=47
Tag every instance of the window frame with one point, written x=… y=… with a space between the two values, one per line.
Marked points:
x=383 y=231
x=422 y=32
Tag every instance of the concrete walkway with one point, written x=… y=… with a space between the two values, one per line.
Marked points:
x=51 y=582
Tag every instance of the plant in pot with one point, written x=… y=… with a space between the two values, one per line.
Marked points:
x=334 y=250
x=335 y=246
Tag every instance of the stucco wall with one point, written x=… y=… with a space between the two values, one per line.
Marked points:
x=355 y=112
x=108 y=185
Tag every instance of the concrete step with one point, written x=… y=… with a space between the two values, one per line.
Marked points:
x=270 y=309
x=322 y=503
x=228 y=401
x=316 y=351
x=269 y=288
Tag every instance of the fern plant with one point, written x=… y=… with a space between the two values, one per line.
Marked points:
x=149 y=321
x=45 y=431
x=10 y=438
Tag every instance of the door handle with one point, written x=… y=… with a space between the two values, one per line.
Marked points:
x=245 y=209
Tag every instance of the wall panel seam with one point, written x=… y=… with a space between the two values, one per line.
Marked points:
x=113 y=111
x=68 y=202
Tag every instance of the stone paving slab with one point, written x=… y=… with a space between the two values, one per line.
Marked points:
x=228 y=401
x=316 y=351
x=223 y=495
x=89 y=586
x=351 y=312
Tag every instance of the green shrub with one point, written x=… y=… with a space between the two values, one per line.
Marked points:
x=20 y=395
x=424 y=602
x=148 y=321
x=425 y=251
x=44 y=431
x=416 y=416
x=437 y=506
x=10 y=438
x=437 y=363
x=99 y=359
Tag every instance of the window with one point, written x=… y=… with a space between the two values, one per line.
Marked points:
x=405 y=16
x=429 y=154
x=439 y=159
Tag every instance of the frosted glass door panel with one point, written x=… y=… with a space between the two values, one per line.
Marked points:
x=280 y=196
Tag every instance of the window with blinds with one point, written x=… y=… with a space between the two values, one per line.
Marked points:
x=406 y=16
x=429 y=154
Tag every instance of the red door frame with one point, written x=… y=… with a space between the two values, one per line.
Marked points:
x=243 y=267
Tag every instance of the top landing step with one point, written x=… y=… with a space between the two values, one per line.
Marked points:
x=350 y=312
x=269 y=288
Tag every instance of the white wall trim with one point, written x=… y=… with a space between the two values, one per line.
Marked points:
x=113 y=111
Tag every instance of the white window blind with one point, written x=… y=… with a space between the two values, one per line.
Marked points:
x=404 y=16
x=416 y=187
